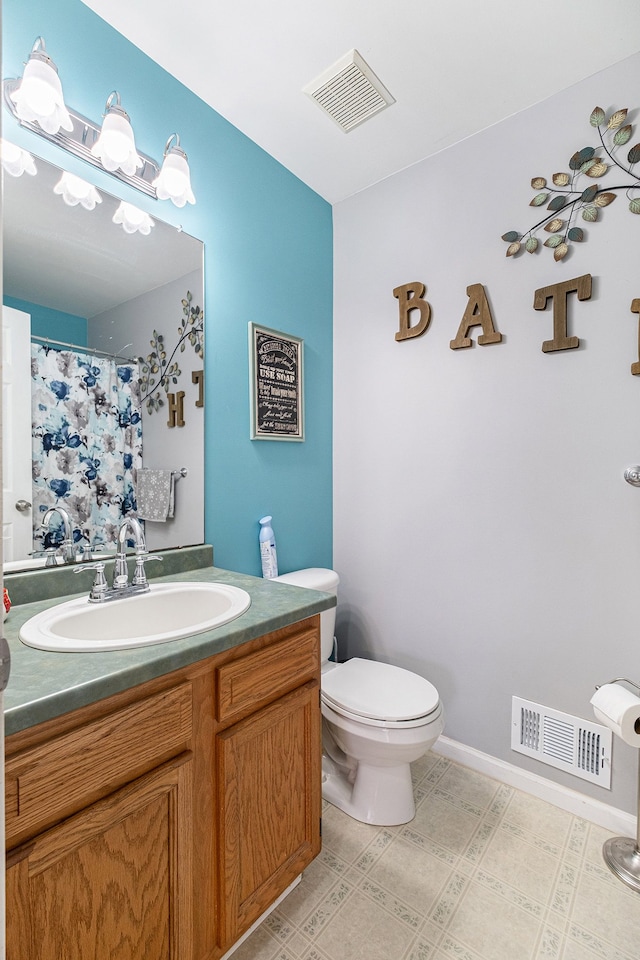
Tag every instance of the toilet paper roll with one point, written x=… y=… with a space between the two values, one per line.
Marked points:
x=619 y=709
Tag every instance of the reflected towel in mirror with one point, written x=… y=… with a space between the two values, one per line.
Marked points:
x=155 y=494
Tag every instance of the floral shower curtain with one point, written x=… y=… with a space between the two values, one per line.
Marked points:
x=87 y=442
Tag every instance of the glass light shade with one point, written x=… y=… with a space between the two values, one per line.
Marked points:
x=39 y=98
x=115 y=147
x=133 y=219
x=174 y=180
x=74 y=190
x=15 y=160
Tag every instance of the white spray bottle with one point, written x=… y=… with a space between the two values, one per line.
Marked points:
x=268 y=554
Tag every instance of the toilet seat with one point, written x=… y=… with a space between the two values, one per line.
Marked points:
x=380 y=694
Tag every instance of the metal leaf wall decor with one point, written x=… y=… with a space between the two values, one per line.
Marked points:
x=159 y=372
x=569 y=199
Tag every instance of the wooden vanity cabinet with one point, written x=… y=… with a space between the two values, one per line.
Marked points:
x=161 y=823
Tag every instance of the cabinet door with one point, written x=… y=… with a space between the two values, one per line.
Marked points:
x=269 y=805
x=114 y=881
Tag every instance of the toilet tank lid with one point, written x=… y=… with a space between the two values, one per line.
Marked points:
x=369 y=688
x=314 y=578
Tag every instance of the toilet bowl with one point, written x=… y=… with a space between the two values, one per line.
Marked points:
x=376 y=720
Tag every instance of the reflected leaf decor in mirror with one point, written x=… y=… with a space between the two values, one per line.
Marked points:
x=159 y=372
x=567 y=198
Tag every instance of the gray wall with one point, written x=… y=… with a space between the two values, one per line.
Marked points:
x=483 y=532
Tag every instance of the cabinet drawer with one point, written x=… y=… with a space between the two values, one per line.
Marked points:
x=49 y=782
x=249 y=683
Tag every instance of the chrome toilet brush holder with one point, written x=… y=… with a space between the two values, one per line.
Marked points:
x=622 y=854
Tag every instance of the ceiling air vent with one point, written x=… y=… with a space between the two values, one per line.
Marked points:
x=349 y=92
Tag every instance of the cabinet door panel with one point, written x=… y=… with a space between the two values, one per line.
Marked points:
x=269 y=805
x=113 y=881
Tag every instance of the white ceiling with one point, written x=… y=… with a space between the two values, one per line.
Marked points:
x=454 y=68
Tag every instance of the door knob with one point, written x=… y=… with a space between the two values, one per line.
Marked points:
x=23 y=505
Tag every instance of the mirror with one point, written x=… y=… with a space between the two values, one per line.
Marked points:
x=106 y=296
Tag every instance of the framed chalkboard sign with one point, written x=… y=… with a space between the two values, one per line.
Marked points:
x=276 y=385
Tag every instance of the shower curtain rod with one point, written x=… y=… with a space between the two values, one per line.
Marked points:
x=78 y=346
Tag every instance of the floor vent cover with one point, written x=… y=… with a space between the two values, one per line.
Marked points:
x=562 y=741
x=349 y=92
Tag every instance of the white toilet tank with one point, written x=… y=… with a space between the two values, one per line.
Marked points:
x=318 y=578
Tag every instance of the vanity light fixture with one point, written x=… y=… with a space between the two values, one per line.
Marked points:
x=74 y=190
x=16 y=161
x=174 y=180
x=109 y=146
x=133 y=219
x=115 y=147
x=38 y=95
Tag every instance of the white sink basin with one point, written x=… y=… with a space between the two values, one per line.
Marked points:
x=168 y=611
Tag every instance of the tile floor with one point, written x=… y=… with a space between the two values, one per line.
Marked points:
x=483 y=872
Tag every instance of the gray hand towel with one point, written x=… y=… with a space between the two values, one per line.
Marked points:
x=155 y=492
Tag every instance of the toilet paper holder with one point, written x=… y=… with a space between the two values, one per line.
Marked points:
x=622 y=854
x=620 y=680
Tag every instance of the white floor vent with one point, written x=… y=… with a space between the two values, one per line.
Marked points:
x=562 y=741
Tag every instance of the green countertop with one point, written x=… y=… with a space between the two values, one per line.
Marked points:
x=44 y=685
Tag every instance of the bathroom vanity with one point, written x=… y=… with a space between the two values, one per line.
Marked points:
x=162 y=818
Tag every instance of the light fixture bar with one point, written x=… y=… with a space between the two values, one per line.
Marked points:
x=80 y=141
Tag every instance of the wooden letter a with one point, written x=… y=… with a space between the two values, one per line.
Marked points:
x=477 y=314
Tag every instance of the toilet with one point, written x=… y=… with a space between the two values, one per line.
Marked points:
x=376 y=720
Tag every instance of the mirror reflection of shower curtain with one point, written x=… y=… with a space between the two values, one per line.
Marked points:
x=87 y=442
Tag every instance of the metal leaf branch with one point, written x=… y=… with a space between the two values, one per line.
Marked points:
x=159 y=372
x=566 y=196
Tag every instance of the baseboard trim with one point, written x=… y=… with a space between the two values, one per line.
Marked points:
x=570 y=800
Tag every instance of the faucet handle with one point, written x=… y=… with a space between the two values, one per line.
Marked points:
x=140 y=576
x=95 y=552
x=99 y=566
x=50 y=553
x=99 y=587
x=68 y=551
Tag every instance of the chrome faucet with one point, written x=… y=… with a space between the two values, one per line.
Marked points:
x=120 y=571
x=68 y=549
x=121 y=587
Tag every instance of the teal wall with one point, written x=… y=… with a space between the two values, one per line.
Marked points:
x=268 y=258
x=46 y=322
